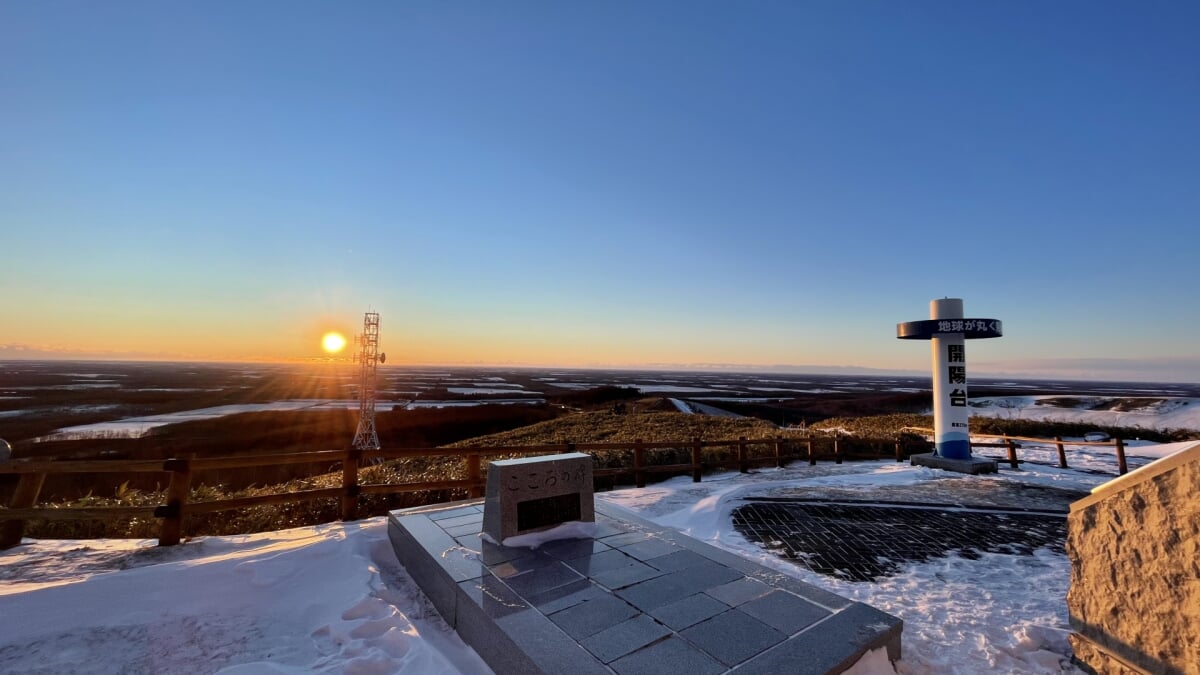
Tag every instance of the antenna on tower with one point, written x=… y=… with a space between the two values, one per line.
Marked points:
x=369 y=358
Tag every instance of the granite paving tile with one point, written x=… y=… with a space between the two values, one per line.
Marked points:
x=592 y=616
x=677 y=560
x=625 y=576
x=625 y=637
x=626 y=538
x=521 y=564
x=463 y=530
x=677 y=585
x=454 y=513
x=784 y=612
x=592 y=563
x=568 y=595
x=830 y=646
x=656 y=592
x=732 y=637
x=689 y=611
x=671 y=656
x=542 y=579
x=465 y=519
x=707 y=575
x=813 y=594
x=651 y=548
x=548 y=647
x=566 y=549
x=735 y=593
x=489 y=553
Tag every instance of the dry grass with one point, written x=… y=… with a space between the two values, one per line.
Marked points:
x=594 y=427
x=875 y=426
x=601 y=427
x=258 y=518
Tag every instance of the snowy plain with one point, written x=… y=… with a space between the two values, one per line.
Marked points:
x=1149 y=412
x=333 y=598
x=1156 y=413
x=137 y=427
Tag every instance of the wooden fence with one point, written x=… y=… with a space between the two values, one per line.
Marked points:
x=32 y=474
x=1011 y=444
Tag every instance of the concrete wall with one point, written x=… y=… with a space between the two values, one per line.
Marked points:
x=1134 y=546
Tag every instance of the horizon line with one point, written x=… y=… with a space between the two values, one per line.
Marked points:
x=780 y=369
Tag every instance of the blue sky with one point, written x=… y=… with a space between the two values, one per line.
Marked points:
x=619 y=183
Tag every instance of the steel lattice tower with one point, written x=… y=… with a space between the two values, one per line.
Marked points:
x=366 y=437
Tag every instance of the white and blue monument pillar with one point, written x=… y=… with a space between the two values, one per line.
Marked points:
x=948 y=330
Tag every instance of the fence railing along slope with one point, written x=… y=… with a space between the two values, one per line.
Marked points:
x=1011 y=444
x=744 y=454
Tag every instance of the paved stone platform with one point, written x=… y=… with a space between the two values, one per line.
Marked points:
x=866 y=541
x=636 y=599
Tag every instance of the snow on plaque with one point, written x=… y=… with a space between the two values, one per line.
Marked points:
x=538 y=495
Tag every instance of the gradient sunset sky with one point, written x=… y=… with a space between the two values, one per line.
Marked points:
x=603 y=183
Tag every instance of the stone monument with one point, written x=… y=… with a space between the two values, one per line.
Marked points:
x=948 y=331
x=535 y=494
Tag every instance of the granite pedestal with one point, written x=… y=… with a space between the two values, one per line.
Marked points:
x=970 y=465
x=637 y=598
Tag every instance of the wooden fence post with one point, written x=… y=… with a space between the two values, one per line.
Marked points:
x=25 y=496
x=350 y=484
x=899 y=452
x=1062 y=453
x=697 y=465
x=475 y=475
x=779 y=453
x=1121 y=467
x=178 y=492
x=837 y=450
x=741 y=449
x=639 y=477
x=812 y=458
x=1012 y=452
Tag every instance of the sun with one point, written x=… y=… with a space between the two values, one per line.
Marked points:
x=333 y=342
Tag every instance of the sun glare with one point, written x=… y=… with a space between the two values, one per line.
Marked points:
x=333 y=342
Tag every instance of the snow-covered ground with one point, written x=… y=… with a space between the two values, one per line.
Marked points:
x=705 y=409
x=646 y=388
x=137 y=427
x=1162 y=413
x=506 y=390
x=681 y=406
x=1095 y=458
x=332 y=598
x=474 y=403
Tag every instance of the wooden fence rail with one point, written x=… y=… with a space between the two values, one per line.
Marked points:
x=32 y=474
x=1010 y=443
